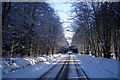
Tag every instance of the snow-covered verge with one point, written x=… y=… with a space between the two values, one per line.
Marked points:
x=9 y=66
x=97 y=67
x=94 y=67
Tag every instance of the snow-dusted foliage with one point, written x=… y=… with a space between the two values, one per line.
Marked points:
x=30 y=29
x=97 y=27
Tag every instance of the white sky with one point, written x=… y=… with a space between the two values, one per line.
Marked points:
x=63 y=9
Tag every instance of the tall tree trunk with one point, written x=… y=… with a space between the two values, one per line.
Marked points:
x=31 y=49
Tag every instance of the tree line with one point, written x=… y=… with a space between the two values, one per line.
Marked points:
x=30 y=29
x=97 y=28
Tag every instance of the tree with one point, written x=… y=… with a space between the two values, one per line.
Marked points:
x=97 y=28
x=31 y=29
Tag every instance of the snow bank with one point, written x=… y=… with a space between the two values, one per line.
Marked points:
x=97 y=67
x=13 y=65
x=94 y=67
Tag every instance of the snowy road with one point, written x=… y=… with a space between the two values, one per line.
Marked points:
x=66 y=68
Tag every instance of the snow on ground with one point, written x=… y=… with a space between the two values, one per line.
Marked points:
x=94 y=67
x=26 y=67
x=97 y=67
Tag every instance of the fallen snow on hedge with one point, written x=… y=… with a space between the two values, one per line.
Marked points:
x=13 y=65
